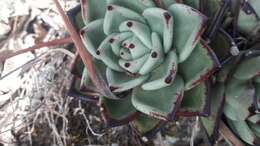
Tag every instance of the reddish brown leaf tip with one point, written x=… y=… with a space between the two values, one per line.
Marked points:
x=168 y=79
x=110 y=8
x=127 y=64
x=256 y=142
x=167 y=17
x=98 y=52
x=129 y=24
x=111 y=40
x=82 y=32
x=131 y=46
x=112 y=88
x=154 y=54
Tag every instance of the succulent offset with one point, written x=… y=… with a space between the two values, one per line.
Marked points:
x=243 y=90
x=153 y=57
x=236 y=90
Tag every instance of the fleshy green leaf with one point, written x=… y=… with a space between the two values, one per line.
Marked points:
x=248 y=69
x=254 y=124
x=255 y=128
x=232 y=114
x=116 y=41
x=137 y=5
x=157 y=18
x=257 y=79
x=199 y=66
x=161 y=103
x=105 y=53
x=193 y=3
x=195 y=100
x=156 y=55
x=86 y=83
x=188 y=27
x=166 y=3
x=241 y=128
x=140 y=30
x=254 y=119
x=93 y=10
x=115 y=15
x=238 y=94
x=223 y=74
x=136 y=48
x=145 y=124
x=121 y=81
x=125 y=54
x=117 y=112
x=164 y=75
x=210 y=6
x=133 y=66
x=92 y=35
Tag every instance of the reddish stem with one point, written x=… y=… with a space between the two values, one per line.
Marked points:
x=73 y=63
x=8 y=55
x=77 y=41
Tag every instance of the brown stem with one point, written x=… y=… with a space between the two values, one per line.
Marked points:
x=8 y=55
x=228 y=135
x=73 y=63
x=85 y=56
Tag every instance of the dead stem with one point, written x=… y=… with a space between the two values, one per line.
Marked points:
x=228 y=135
x=5 y=56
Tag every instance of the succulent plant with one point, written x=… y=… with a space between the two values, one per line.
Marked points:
x=238 y=84
x=243 y=90
x=235 y=91
x=152 y=57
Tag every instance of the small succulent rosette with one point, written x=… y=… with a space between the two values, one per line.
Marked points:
x=152 y=57
x=237 y=94
x=242 y=95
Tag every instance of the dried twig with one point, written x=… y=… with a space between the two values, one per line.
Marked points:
x=228 y=135
x=37 y=59
x=9 y=54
